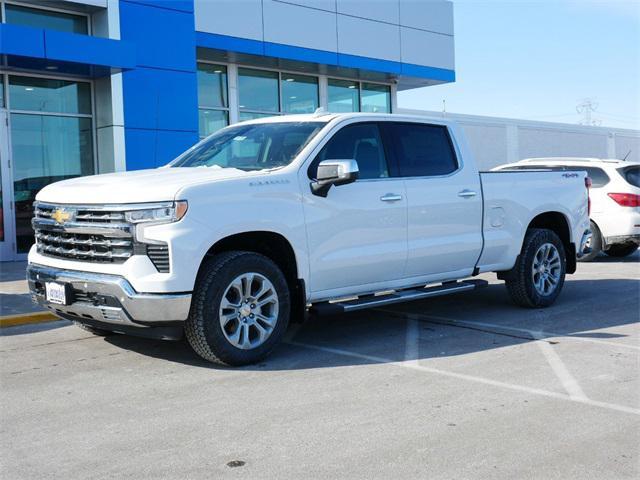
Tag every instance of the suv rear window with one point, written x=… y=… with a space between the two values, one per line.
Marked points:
x=631 y=175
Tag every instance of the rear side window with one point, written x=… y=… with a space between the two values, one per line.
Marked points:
x=631 y=175
x=597 y=176
x=422 y=150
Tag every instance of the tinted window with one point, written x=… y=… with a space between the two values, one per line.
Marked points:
x=597 y=176
x=422 y=150
x=31 y=17
x=632 y=175
x=361 y=142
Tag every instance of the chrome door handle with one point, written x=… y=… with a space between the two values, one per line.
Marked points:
x=391 y=197
x=466 y=193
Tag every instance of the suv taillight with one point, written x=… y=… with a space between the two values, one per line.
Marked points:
x=626 y=199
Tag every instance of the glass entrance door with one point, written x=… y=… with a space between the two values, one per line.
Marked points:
x=6 y=215
x=48 y=137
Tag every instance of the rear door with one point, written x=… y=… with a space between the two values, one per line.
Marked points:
x=444 y=200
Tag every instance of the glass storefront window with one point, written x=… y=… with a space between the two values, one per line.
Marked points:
x=376 y=98
x=258 y=90
x=212 y=86
x=210 y=121
x=45 y=149
x=34 y=17
x=252 y=115
x=48 y=95
x=344 y=96
x=1 y=91
x=299 y=93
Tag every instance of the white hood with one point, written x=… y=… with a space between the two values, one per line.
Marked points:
x=159 y=184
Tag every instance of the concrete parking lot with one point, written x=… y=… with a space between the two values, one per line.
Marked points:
x=467 y=386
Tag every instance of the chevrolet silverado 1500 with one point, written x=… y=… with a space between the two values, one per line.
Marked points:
x=265 y=220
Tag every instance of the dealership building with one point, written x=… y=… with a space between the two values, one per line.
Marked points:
x=95 y=86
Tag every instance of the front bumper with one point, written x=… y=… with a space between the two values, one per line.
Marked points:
x=108 y=299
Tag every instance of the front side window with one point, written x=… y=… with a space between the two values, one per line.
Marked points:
x=422 y=150
x=256 y=146
x=360 y=142
x=37 y=18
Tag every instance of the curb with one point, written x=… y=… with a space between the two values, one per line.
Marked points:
x=26 y=318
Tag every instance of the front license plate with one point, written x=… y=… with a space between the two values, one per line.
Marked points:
x=56 y=293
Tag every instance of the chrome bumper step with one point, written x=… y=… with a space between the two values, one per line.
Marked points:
x=370 y=301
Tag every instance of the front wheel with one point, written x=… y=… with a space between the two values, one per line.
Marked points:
x=538 y=275
x=240 y=308
x=621 y=249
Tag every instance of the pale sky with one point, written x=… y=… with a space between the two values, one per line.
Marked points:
x=538 y=59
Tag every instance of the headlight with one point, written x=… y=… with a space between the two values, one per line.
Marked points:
x=164 y=213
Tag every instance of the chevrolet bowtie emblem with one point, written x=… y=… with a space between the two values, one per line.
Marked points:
x=61 y=216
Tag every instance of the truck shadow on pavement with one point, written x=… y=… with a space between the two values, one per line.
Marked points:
x=436 y=328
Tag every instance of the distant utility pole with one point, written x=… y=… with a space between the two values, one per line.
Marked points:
x=585 y=108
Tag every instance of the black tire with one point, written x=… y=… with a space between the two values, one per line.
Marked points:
x=596 y=244
x=203 y=329
x=620 y=250
x=519 y=280
x=96 y=331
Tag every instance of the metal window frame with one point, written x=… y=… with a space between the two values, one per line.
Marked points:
x=219 y=109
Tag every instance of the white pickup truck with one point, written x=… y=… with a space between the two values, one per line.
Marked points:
x=267 y=219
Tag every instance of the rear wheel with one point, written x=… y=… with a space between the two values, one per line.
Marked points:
x=595 y=243
x=240 y=308
x=538 y=275
x=621 y=249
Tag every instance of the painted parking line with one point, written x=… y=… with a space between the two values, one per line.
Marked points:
x=545 y=335
x=470 y=378
x=569 y=383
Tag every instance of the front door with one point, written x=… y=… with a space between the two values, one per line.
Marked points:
x=357 y=235
x=7 y=236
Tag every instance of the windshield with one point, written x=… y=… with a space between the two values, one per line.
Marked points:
x=255 y=146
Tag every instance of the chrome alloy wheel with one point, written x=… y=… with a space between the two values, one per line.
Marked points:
x=547 y=269
x=249 y=310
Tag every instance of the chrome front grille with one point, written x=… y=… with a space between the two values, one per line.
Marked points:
x=84 y=233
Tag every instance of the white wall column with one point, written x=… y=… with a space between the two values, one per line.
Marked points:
x=323 y=92
x=234 y=99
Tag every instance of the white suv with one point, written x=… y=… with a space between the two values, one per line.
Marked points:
x=615 y=200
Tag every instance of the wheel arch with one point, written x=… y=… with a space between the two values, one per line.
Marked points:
x=558 y=223
x=278 y=249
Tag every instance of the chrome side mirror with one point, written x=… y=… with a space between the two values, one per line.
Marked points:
x=334 y=172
